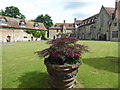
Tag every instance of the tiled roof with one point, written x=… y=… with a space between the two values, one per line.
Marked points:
x=110 y=10
x=69 y=26
x=89 y=20
x=15 y=23
x=78 y=21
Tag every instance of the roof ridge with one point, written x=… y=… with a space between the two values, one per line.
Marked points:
x=20 y=19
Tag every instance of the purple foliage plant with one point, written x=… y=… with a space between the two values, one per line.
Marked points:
x=63 y=50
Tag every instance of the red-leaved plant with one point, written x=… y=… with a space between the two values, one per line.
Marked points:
x=63 y=50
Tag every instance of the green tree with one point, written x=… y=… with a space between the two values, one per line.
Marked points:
x=45 y=19
x=12 y=11
x=35 y=33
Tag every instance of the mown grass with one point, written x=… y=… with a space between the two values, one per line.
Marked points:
x=22 y=68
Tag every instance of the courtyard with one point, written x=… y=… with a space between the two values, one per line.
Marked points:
x=22 y=68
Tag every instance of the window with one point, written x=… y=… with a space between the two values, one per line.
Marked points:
x=60 y=25
x=88 y=21
x=22 y=23
x=115 y=24
x=92 y=20
x=114 y=34
x=55 y=25
x=102 y=20
x=3 y=21
x=25 y=36
x=61 y=30
x=70 y=25
x=36 y=25
x=57 y=35
x=57 y=30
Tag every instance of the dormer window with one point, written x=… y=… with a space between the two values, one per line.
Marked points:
x=22 y=23
x=36 y=25
x=95 y=19
x=88 y=21
x=92 y=20
x=3 y=21
x=70 y=25
x=55 y=25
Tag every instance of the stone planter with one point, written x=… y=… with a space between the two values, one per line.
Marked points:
x=62 y=76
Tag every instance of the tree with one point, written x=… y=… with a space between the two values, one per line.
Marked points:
x=35 y=33
x=12 y=11
x=46 y=20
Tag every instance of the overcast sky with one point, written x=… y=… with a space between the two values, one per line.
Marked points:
x=59 y=10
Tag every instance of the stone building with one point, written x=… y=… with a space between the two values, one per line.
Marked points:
x=115 y=25
x=14 y=30
x=103 y=26
x=86 y=29
x=103 y=23
x=61 y=28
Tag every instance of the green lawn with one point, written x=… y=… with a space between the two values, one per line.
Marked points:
x=22 y=68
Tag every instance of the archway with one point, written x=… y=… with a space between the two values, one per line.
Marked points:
x=8 y=39
x=31 y=38
x=53 y=37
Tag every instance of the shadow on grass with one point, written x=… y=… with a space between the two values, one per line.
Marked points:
x=33 y=80
x=104 y=63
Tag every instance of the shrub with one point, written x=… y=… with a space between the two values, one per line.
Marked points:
x=63 y=51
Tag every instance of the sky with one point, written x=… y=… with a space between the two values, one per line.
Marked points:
x=59 y=10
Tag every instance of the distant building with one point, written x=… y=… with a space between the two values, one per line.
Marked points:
x=59 y=29
x=14 y=30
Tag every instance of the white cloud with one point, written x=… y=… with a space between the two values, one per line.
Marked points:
x=55 y=8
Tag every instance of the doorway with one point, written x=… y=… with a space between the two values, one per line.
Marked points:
x=53 y=37
x=8 y=39
x=31 y=38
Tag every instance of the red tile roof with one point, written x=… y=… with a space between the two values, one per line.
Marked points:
x=89 y=20
x=14 y=23
x=78 y=21
x=69 y=26
x=110 y=10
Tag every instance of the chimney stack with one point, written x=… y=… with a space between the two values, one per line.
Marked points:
x=75 y=19
x=64 y=21
x=117 y=8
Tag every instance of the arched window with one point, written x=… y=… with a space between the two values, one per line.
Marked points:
x=3 y=21
x=102 y=20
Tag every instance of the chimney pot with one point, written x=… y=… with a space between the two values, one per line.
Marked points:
x=75 y=19
x=64 y=21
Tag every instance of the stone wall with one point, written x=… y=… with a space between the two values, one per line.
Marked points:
x=15 y=35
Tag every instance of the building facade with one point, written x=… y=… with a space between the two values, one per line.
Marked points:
x=58 y=29
x=103 y=26
x=103 y=23
x=115 y=25
x=14 y=30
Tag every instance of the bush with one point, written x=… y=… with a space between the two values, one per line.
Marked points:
x=63 y=51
